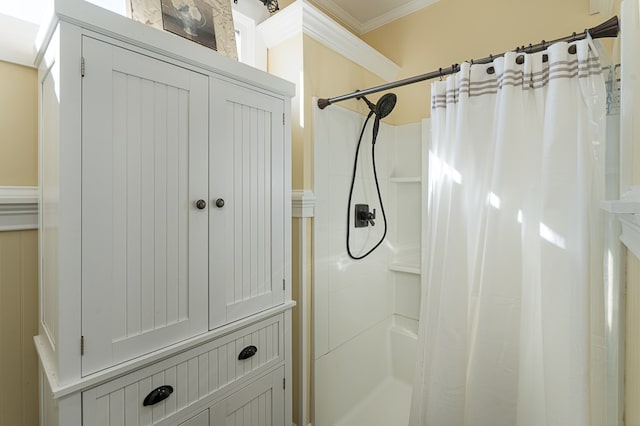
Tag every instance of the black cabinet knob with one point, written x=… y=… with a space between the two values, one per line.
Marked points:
x=201 y=204
x=220 y=203
x=158 y=395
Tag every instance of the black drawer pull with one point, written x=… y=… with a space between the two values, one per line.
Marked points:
x=248 y=352
x=157 y=395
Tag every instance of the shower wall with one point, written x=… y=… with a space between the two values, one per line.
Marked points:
x=365 y=311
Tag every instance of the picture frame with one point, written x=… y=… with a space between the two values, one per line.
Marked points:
x=207 y=22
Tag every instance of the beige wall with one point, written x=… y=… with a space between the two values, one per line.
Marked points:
x=18 y=251
x=452 y=31
x=18 y=125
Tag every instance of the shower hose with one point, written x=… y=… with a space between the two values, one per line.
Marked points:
x=375 y=176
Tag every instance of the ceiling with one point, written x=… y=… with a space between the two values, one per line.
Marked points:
x=365 y=15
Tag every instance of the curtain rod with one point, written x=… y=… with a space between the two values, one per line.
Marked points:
x=609 y=28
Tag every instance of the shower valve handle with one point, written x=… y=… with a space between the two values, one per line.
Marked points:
x=371 y=216
x=368 y=217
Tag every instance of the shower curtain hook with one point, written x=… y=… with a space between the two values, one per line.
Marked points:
x=440 y=74
x=573 y=37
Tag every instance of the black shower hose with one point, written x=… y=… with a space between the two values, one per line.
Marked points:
x=353 y=179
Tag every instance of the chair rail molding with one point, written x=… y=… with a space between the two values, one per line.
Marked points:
x=303 y=202
x=302 y=17
x=18 y=208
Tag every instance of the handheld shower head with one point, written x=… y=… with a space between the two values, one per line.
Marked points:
x=384 y=106
x=381 y=110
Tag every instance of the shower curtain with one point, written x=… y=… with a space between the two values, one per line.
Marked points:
x=511 y=315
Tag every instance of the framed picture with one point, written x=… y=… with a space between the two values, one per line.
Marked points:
x=207 y=22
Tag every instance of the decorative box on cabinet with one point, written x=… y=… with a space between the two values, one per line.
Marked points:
x=164 y=222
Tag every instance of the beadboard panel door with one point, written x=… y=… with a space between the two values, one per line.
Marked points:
x=247 y=232
x=261 y=404
x=144 y=166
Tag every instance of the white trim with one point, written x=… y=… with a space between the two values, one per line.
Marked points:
x=302 y=17
x=249 y=54
x=303 y=312
x=397 y=13
x=303 y=203
x=345 y=17
x=18 y=208
x=360 y=27
x=628 y=211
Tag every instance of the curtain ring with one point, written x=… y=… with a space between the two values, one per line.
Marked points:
x=573 y=37
x=440 y=74
x=544 y=45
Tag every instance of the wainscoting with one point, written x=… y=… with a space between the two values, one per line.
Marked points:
x=18 y=325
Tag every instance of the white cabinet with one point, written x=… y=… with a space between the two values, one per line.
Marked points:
x=165 y=225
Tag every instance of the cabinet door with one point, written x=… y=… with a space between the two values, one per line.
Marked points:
x=144 y=241
x=247 y=232
x=259 y=404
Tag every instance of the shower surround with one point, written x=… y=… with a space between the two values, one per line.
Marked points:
x=366 y=311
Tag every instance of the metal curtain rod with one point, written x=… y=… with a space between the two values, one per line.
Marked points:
x=609 y=28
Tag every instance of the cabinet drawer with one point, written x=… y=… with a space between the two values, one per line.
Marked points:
x=195 y=375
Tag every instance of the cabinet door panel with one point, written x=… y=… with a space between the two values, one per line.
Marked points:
x=247 y=172
x=145 y=163
x=259 y=404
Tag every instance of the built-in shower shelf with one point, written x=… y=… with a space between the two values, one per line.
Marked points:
x=627 y=208
x=401 y=267
x=405 y=179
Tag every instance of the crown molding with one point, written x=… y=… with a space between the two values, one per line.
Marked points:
x=303 y=202
x=345 y=17
x=302 y=17
x=18 y=208
x=392 y=15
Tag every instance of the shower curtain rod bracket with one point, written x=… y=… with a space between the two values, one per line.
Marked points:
x=607 y=29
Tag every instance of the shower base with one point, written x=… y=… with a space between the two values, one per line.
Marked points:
x=386 y=405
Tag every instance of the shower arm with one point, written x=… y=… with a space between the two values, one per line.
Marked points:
x=610 y=28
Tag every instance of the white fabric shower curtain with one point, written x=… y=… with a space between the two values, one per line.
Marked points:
x=511 y=315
